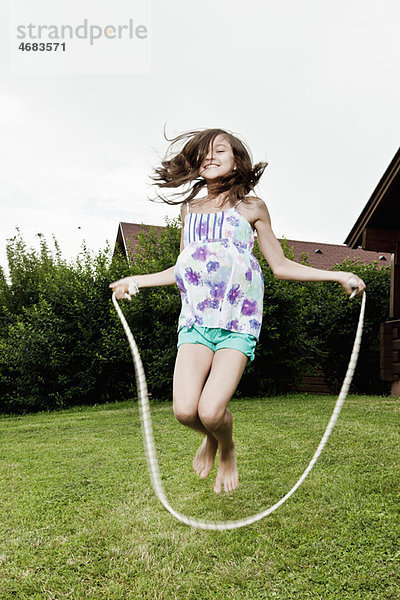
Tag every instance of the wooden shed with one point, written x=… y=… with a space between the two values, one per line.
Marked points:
x=378 y=229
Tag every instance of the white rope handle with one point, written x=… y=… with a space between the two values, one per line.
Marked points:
x=151 y=451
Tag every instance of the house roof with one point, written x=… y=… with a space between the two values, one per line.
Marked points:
x=127 y=236
x=320 y=255
x=382 y=211
x=325 y=256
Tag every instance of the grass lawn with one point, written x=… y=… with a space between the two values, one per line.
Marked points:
x=79 y=518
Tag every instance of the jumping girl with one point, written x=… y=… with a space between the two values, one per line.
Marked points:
x=221 y=285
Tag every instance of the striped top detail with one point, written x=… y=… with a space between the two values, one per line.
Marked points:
x=219 y=278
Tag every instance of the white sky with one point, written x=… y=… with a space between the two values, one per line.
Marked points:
x=312 y=86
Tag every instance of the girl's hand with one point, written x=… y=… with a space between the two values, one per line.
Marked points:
x=123 y=288
x=348 y=279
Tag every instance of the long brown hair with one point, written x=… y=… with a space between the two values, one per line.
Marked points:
x=183 y=167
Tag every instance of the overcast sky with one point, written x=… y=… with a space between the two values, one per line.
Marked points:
x=312 y=86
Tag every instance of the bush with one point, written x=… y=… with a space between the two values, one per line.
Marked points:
x=61 y=341
x=55 y=328
x=281 y=356
x=330 y=320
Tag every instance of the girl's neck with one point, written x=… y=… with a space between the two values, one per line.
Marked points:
x=216 y=200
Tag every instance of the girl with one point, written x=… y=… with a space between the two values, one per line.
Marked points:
x=221 y=285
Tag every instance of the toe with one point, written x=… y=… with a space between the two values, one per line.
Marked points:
x=217 y=487
x=204 y=474
x=230 y=486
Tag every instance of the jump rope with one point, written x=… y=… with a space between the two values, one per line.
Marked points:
x=147 y=427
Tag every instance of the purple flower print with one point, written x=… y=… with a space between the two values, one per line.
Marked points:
x=198 y=320
x=213 y=265
x=249 y=274
x=215 y=303
x=233 y=325
x=233 y=221
x=203 y=305
x=200 y=253
x=180 y=284
x=254 y=324
x=234 y=293
x=255 y=265
x=191 y=276
x=203 y=229
x=217 y=289
x=249 y=307
x=240 y=246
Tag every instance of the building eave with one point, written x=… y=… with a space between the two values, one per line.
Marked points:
x=375 y=203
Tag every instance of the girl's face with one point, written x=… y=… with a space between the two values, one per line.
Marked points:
x=219 y=160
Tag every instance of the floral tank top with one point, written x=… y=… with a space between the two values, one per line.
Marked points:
x=219 y=278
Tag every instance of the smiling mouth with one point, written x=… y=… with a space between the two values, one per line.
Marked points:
x=212 y=165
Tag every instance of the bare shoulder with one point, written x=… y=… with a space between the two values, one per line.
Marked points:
x=183 y=211
x=256 y=210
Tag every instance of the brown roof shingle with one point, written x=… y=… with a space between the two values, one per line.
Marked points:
x=325 y=256
x=127 y=236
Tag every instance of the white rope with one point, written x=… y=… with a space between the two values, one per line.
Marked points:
x=151 y=451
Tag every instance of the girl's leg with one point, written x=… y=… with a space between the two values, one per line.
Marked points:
x=193 y=363
x=226 y=371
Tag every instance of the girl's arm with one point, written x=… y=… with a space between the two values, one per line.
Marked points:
x=166 y=277
x=283 y=268
x=121 y=286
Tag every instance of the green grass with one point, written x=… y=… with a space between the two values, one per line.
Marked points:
x=79 y=518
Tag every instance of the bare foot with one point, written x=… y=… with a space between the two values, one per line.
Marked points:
x=204 y=459
x=227 y=471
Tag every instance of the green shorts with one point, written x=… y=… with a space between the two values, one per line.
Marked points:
x=216 y=338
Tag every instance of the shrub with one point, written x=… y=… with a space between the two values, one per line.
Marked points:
x=56 y=322
x=330 y=319
x=61 y=342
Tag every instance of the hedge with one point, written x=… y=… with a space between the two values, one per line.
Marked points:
x=61 y=342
